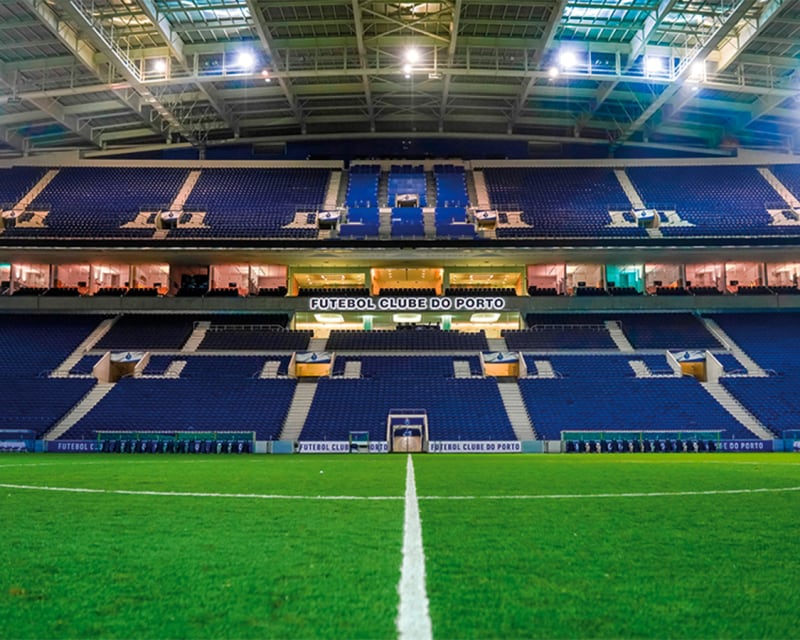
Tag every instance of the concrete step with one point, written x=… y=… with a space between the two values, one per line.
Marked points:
x=735 y=408
x=298 y=411
x=62 y=371
x=516 y=410
x=84 y=406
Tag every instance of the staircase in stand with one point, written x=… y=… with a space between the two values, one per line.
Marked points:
x=29 y=197
x=298 y=412
x=84 y=406
x=62 y=371
x=753 y=370
x=515 y=408
x=735 y=408
x=619 y=338
x=627 y=186
x=481 y=192
x=199 y=333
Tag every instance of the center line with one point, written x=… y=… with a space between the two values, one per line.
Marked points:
x=413 y=617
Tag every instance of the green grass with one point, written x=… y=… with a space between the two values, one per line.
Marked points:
x=110 y=565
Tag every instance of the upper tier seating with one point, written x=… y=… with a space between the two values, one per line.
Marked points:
x=16 y=182
x=451 y=186
x=789 y=175
x=721 y=200
x=404 y=180
x=243 y=339
x=255 y=202
x=96 y=201
x=422 y=339
x=559 y=202
x=362 y=186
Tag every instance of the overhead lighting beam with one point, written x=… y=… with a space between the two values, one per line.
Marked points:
x=451 y=52
x=362 y=57
x=265 y=36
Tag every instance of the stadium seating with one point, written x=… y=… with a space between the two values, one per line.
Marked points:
x=422 y=339
x=559 y=202
x=252 y=203
x=722 y=200
x=16 y=182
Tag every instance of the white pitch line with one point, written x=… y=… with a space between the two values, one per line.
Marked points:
x=413 y=616
x=276 y=496
x=194 y=494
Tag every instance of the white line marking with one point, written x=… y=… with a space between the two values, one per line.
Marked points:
x=413 y=617
x=277 y=496
x=194 y=494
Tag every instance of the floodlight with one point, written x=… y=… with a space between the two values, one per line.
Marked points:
x=567 y=59
x=553 y=72
x=160 y=65
x=407 y=68
x=412 y=55
x=654 y=64
x=245 y=60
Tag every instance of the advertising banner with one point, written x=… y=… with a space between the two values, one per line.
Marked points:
x=744 y=445
x=342 y=446
x=73 y=446
x=477 y=446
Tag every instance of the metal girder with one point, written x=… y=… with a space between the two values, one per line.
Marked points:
x=721 y=32
x=176 y=47
x=13 y=139
x=547 y=38
x=52 y=108
x=731 y=48
x=125 y=66
x=451 y=52
x=83 y=50
x=362 y=57
x=651 y=23
x=265 y=37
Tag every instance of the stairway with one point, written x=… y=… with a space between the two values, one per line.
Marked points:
x=544 y=369
x=732 y=406
x=787 y=196
x=383 y=190
x=515 y=408
x=497 y=344
x=62 y=371
x=185 y=190
x=481 y=193
x=430 y=188
x=753 y=370
x=29 y=197
x=429 y=220
x=84 y=406
x=194 y=340
x=270 y=369
x=298 y=412
x=332 y=194
x=352 y=369
x=627 y=186
x=385 y=222
x=461 y=369
x=317 y=344
x=619 y=338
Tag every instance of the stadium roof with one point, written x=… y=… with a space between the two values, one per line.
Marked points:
x=138 y=74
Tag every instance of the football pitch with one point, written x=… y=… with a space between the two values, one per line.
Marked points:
x=387 y=546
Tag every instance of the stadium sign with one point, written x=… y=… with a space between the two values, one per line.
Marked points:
x=74 y=446
x=476 y=446
x=342 y=446
x=407 y=303
x=744 y=445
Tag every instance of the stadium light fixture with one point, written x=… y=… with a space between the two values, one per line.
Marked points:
x=567 y=59
x=654 y=64
x=160 y=65
x=407 y=68
x=412 y=55
x=553 y=72
x=245 y=60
